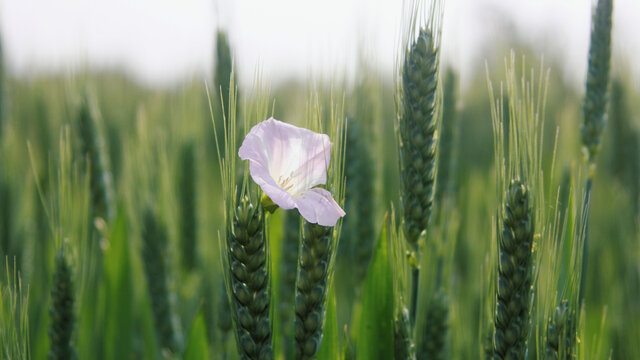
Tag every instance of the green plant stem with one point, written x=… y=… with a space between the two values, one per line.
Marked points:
x=585 y=247
x=415 y=282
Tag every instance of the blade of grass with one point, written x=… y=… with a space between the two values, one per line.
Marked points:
x=197 y=347
x=375 y=335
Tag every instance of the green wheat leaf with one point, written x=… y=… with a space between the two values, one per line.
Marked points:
x=197 y=347
x=375 y=335
x=119 y=291
x=330 y=348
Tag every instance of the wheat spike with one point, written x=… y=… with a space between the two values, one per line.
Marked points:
x=418 y=125
x=311 y=288
x=93 y=148
x=597 y=85
x=61 y=311
x=403 y=348
x=433 y=338
x=357 y=231
x=154 y=254
x=248 y=281
x=561 y=333
x=514 y=274
x=288 y=271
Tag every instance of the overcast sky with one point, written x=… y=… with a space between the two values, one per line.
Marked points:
x=161 y=42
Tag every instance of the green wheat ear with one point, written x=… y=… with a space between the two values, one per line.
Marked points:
x=433 y=338
x=154 y=254
x=597 y=85
x=61 y=311
x=418 y=124
x=223 y=66
x=403 y=348
x=487 y=343
x=92 y=148
x=357 y=232
x=248 y=280
x=288 y=271
x=316 y=247
x=418 y=108
x=561 y=333
x=223 y=73
x=515 y=275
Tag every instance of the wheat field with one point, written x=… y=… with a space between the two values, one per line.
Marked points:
x=495 y=220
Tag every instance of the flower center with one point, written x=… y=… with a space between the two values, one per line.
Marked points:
x=286 y=184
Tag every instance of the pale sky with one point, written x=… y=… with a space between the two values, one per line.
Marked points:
x=162 y=42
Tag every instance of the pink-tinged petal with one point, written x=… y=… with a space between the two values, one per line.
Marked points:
x=317 y=206
x=279 y=196
x=295 y=158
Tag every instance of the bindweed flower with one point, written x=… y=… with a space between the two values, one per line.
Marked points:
x=288 y=163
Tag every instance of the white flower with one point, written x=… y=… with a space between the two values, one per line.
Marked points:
x=287 y=162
